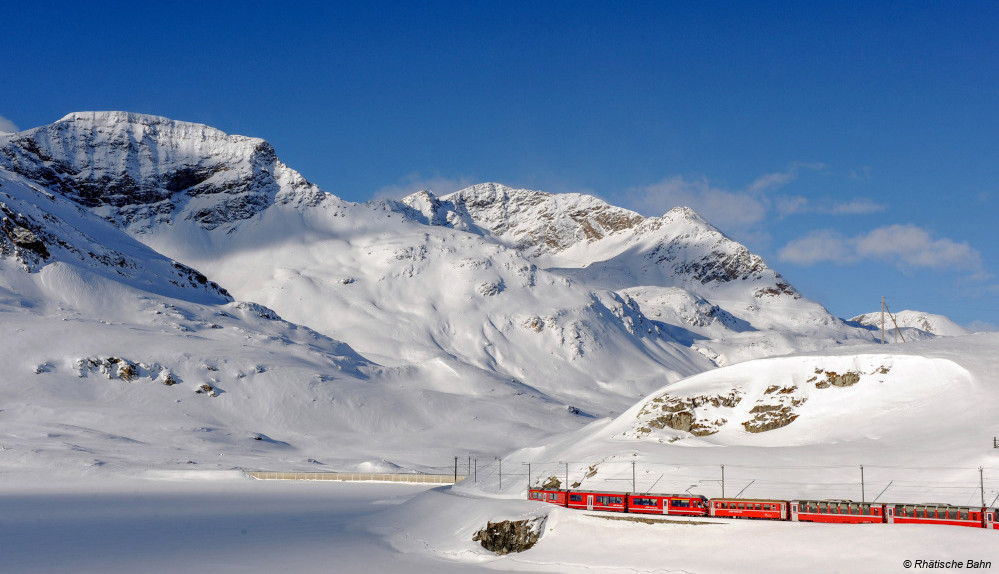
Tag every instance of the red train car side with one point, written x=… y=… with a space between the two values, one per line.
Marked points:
x=559 y=497
x=592 y=500
x=748 y=508
x=836 y=511
x=939 y=514
x=668 y=504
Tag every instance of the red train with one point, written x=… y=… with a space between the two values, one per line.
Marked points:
x=843 y=511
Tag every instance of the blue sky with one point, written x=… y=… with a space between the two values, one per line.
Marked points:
x=855 y=146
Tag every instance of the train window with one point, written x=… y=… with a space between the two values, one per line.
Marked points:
x=812 y=507
x=952 y=514
x=865 y=509
x=617 y=500
x=854 y=508
x=536 y=495
x=742 y=506
x=759 y=507
x=575 y=498
x=964 y=514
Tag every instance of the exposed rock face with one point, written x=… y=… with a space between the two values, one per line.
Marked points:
x=770 y=417
x=38 y=228
x=830 y=378
x=510 y=535
x=22 y=238
x=141 y=169
x=533 y=221
x=681 y=414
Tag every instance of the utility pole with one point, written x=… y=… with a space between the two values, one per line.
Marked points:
x=475 y=477
x=632 y=476
x=456 y=470
x=528 y=474
x=981 y=484
x=723 y=480
x=882 y=320
x=861 y=483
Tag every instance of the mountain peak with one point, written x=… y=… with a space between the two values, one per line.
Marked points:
x=141 y=170
x=538 y=222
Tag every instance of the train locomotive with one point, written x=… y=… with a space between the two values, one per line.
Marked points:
x=842 y=511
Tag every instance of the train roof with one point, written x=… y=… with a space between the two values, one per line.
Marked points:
x=684 y=495
x=729 y=499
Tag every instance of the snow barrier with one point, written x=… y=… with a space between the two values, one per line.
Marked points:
x=358 y=477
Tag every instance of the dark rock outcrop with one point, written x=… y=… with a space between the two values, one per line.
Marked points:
x=510 y=535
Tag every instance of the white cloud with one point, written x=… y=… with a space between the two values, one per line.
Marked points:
x=415 y=182
x=819 y=246
x=781 y=178
x=742 y=209
x=860 y=206
x=904 y=246
x=794 y=205
x=722 y=208
x=8 y=126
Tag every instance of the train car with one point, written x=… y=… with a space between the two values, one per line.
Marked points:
x=559 y=497
x=748 y=508
x=845 y=511
x=939 y=514
x=594 y=500
x=668 y=504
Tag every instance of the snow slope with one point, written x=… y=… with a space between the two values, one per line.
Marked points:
x=403 y=286
x=910 y=321
x=801 y=425
x=907 y=423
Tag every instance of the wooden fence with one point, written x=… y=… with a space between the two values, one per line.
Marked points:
x=358 y=477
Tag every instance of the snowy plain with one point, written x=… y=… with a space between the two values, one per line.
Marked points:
x=232 y=524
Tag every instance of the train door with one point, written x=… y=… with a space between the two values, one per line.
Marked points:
x=989 y=519
x=783 y=511
x=794 y=512
x=589 y=502
x=665 y=506
x=890 y=514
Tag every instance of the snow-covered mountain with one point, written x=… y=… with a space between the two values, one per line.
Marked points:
x=499 y=307
x=914 y=415
x=908 y=321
